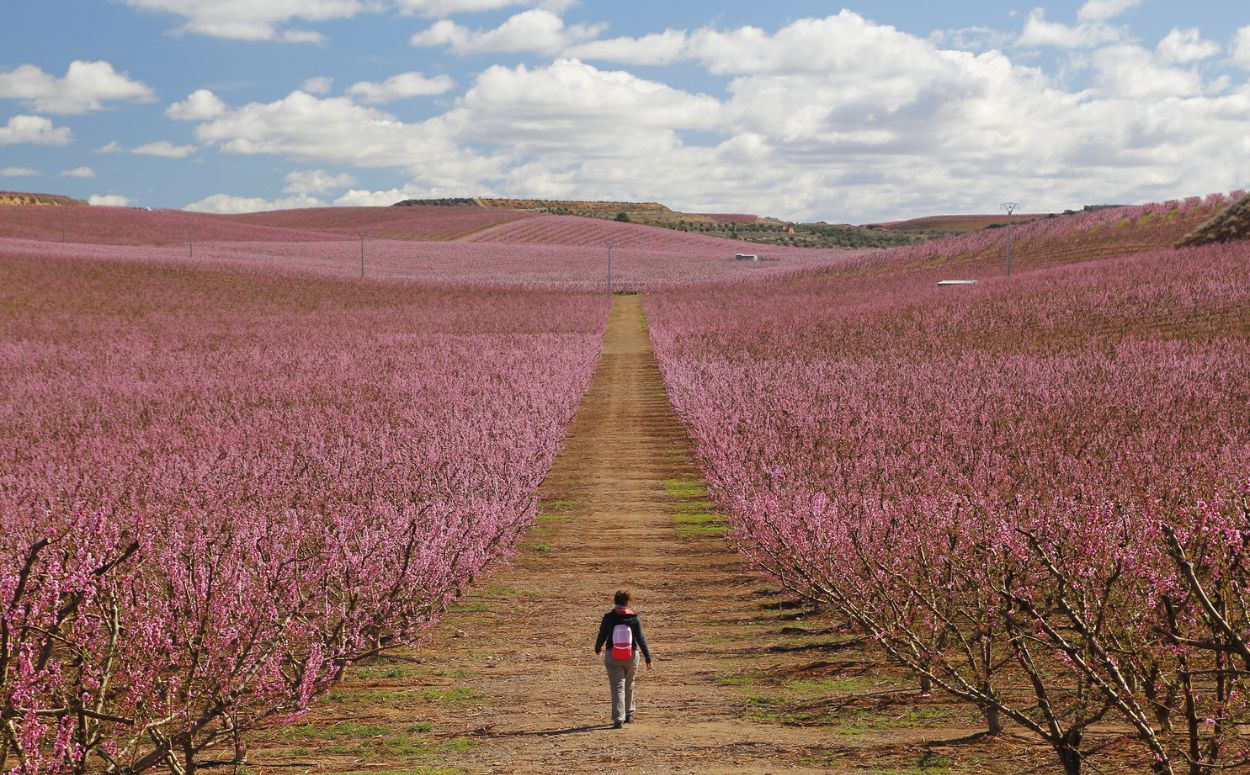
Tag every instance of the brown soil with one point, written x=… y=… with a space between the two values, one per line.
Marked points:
x=745 y=680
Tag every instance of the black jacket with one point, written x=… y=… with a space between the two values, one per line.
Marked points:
x=622 y=616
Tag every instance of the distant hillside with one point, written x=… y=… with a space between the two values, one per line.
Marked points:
x=732 y=226
x=1077 y=237
x=597 y=232
x=131 y=226
x=588 y=209
x=447 y=221
x=455 y=242
x=1233 y=223
x=771 y=231
x=23 y=198
x=958 y=224
x=437 y=244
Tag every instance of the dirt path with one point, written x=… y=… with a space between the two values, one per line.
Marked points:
x=610 y=502
x=744 y=681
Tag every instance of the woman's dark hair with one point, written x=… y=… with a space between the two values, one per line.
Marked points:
x=622 y=597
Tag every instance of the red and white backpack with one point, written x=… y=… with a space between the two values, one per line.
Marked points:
x=622 y=643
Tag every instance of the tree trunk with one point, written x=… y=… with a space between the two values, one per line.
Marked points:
x=1071 y=759
x=1069 y=750
x=1161 y=702
x=926 y=685
x=993 y=722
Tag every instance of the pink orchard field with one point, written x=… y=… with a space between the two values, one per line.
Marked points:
x=226 y=476
x=219 y=489
x=442 y=245
x=1034 y=493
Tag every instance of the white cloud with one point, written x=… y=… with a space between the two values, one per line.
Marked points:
x=1241 y=48
x=1089 y=33
x=164 y=149
x=319 y=85
x=453 y=7
x=662 y=48
x=1101 y=10
x=538 y=30
x=200 y=105
x=254 y=19
x=316 y=182
x=835 y=119
x=441 y=33
x=1132 y=71
x=111 y=147
x=1184 y=46
x=836 y=45
x=17 y=172
x=108 y=200
x=364 y=198
x=225 y=203
x=79 y=172
x=401 y=86
x=569 y=106
x=302 y=36
x=846 y=41
x=35 y=130
x=824 y=107
x=338 y=131
x=575 y=107
x=85 y=87
x=972 y=39
x=332 y=129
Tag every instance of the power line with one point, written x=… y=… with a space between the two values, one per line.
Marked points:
x=1010 y=207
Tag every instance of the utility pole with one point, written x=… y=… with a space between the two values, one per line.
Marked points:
x=1010 y=207
x=610 y=246
x=362 y=254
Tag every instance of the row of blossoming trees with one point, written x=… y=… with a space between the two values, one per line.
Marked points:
x=1032 y=493
x=218 y=489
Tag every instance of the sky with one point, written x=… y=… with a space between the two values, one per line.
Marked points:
x=851 y=112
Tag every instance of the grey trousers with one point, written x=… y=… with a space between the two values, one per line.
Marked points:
x=621 y=677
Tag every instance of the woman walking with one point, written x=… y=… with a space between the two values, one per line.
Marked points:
x=621 y=631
